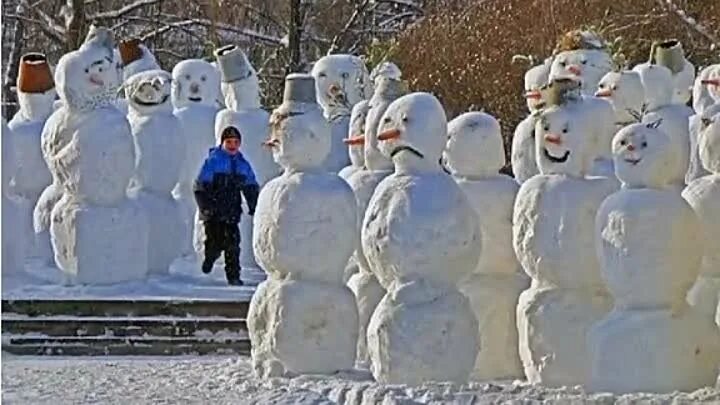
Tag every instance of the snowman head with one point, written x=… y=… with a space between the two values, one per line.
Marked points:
x=644 y=156
x=87 y=78
x=587 y=66
x=413 y=132
x=240 y=86
x=474 y=147
x=535 y=78
x=35 y=87
x=341 y=81
x=709 y=146
x=149 y=91
x=561 y=142
x=356 y=140
x=195 y=82
x=385 y=70
x=712 y=82
x=624 y=90
x=300 y=135
x=658 y=84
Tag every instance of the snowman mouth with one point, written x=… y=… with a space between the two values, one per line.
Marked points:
x=633 y=162
x=150 y=103
x=406 y=148
x=195 y=99
x=556 y=159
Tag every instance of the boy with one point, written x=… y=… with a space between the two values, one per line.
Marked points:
x=224 y=178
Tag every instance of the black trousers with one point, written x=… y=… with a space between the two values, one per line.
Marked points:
x=223 y=237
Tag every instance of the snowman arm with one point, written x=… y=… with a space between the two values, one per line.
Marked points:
x=251 y=192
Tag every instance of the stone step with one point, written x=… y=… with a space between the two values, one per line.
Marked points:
x=132 y=308
x=69 y=326
x=129 y=346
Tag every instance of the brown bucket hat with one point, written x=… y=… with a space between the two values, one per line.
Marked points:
x=34 y=75
x=130 y=50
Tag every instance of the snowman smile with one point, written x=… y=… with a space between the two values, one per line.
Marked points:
x=150 y=103
x=195 y=99
x=407 y=148
x=633 y=162
x=556 y=159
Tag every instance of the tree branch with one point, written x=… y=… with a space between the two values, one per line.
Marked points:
x=113 y=14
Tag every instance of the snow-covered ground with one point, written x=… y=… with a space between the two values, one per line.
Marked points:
x=185 y=281
x=226 y=380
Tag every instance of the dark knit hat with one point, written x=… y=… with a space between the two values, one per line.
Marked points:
x=230 y=132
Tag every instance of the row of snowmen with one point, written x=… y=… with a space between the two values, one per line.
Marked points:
x=439 y=263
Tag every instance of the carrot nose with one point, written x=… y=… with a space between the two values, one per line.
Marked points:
x=574 y=69
x=713 y=82
x=270 y=143
x=194 y=88
x=554 y=139
x=389 y=134
x=603 y=93
x=355 y=140
x=534 y=95
x=631 y=147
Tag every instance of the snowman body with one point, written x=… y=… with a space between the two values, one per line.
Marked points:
x=194 y=96
x=356 y=140
x=12 y=248
x=98 y=235
x=553 y=238
x=706 y=104
x=341 y=82
x=159 y=153
x=703 y=195
x=649 y=242
x=420 y=237
x=474 y=155
x=522 y=155
x=303 y=319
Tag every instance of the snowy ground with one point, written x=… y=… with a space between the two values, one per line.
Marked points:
x=226 y=380
x=184 y=281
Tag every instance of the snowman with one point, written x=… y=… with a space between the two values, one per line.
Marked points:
x=356 y=140
x=650 y=242
x=13 y=251
x=706 y=90
x=240 y=88
x=99 y=236
x=303 y=319
x=706 y=103
x=36 y=95
x=474 y=156
x=135 y=58
x=672 y=118
x=420 y=237
x=522 y=155
x=195 y=84
x=624 y=90
x=159 y=153
x=553 y=238
x=703 y=194
x=581 y=56
x=670 y=53
x=342 y=81
x=364 y=284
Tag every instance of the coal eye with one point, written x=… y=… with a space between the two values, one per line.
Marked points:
x=345 y=75
x=644 y=144
x=546 y=128
x=101 y=70
x=615 y=87
x=584 y=62
x=562 y=63
x=623 y=142
x=87 y=70
x=601 y=85
x=387 y=119
x=187 y=77
x=405 y=119
x=565 y=130
x=322 y=74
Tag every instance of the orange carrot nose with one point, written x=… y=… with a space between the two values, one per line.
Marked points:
x=603 y=93
x=271 y=143
x=389 y=134
x=535 y=95
x=554 y=139
x=713 y=82
x=631 y=147
x=355 y=140
x=574 y=69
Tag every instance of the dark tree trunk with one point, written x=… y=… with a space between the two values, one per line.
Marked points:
x=11 y=70
x=294 y=37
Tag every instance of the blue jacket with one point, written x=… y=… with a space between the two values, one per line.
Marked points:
x=223 y=180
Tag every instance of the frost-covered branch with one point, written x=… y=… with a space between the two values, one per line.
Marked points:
x=359 y=10
x=690 y=21
x=113 y=14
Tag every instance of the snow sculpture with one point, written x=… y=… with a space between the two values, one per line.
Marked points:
x=474 y=155
x=670 y=54
x=706 y=103
x=194 y=92
x=356 y=140
x=624 y=90
x=342 y=81
x=673 y=118
x=98 y=235
x=582 y=57
x=36 y=95
x=553 y=238
x=364 y=284
x=703 y=194
x=706 y=90
x=649 y=242
x=159 y=153
x=13 y=251
x=302 y=319
x=241 y=90
x=420 y=236
x=134 y=58
x=522 y=156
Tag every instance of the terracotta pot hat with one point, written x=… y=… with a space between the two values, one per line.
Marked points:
x=670 y=54
x=130 y=50
x=34 y=75
x=299 y=88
